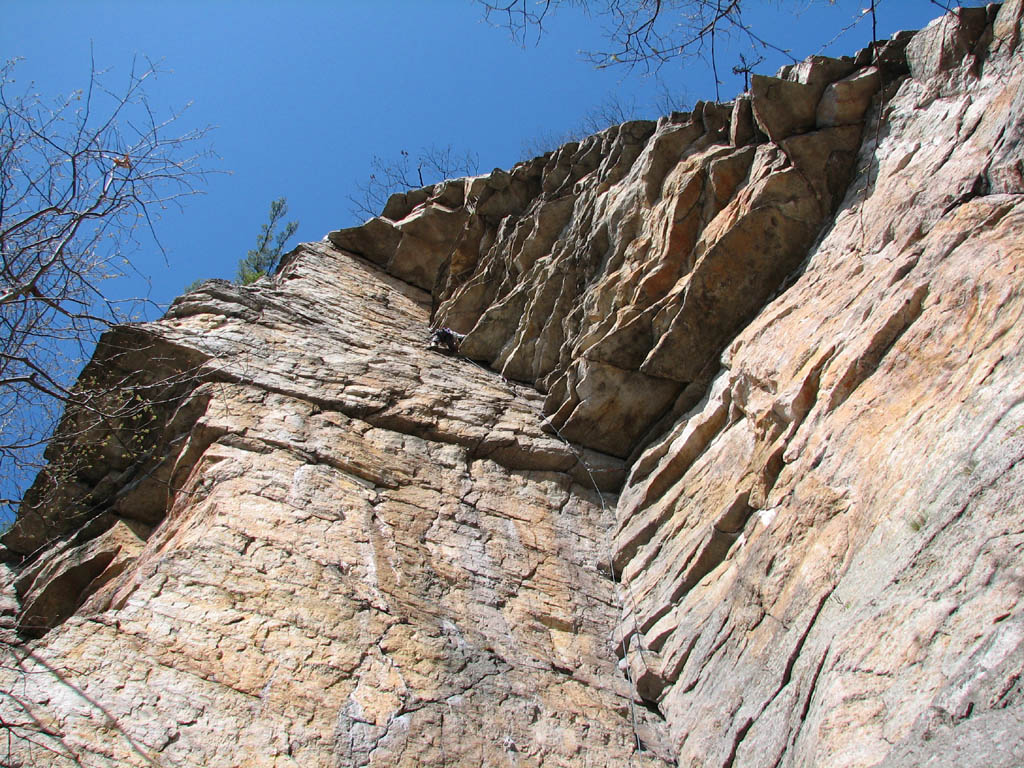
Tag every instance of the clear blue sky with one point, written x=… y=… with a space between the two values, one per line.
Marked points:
x=303 y=94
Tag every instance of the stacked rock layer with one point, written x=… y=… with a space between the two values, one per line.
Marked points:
x=747 y=491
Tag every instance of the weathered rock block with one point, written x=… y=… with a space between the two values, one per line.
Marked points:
x=783 y=107
x=844 y=102
x=741 y=125
x=945 y=42
x=819 y=71
x=1006 y=29
x=375 y=240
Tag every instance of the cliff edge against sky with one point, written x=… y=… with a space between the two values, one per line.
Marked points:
x=727 y=473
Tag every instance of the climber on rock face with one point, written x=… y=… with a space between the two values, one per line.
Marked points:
x=446 y=340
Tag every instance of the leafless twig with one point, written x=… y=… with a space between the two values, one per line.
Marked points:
x=405 y=172
x=82 y=179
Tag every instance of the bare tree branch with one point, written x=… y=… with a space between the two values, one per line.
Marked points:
x=82 y=180
x=646 y=33
x=613 y=110
x=388 y=176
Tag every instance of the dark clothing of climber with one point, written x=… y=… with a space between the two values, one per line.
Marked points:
x=446 y=340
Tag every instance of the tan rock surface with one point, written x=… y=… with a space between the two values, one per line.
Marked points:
x=372 y=556
x=308 y=540
x=867 y=427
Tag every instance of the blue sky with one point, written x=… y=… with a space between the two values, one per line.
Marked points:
x=303 y=94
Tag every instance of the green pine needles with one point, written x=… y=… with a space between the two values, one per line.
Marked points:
x=264 y=258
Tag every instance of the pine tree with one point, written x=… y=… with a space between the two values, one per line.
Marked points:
x=263 y=259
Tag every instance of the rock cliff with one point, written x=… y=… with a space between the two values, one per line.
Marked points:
x=727 y=471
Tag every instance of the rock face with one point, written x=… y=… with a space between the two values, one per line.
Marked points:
x=371 y=555
x=747 y=491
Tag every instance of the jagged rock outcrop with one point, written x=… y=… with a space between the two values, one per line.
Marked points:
x=764 y=510
x=627 y=261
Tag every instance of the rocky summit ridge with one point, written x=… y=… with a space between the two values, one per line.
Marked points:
x=728 y=471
